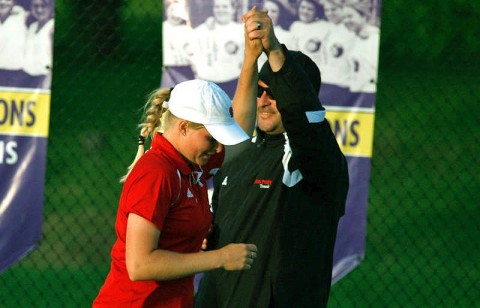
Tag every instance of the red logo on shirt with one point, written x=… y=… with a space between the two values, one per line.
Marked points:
x=262 y=183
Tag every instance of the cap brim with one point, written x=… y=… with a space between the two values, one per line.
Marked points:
x=227 y=134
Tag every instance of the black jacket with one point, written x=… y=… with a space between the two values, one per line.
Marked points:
x=291 y=215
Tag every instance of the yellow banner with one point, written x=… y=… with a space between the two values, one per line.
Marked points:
x=25 y=114
x=353 y=130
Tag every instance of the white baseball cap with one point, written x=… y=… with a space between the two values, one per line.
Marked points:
x=204 y=102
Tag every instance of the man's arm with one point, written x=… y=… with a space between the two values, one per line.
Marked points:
x=315 y=151
x=245 y=99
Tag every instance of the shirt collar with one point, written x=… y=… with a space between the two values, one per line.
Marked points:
x=165 y=147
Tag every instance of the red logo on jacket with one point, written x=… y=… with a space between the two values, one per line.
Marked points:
x=262 y=183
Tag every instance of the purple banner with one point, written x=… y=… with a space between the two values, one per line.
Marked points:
x=26 y=48
x=204 y=39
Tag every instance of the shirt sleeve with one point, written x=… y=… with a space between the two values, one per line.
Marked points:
x=150 y=191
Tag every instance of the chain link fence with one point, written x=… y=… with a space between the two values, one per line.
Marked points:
x=422 y=234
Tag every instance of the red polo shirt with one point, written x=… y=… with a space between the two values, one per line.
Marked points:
x=161 y=188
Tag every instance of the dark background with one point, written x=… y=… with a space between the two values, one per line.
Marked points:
x=422 y=245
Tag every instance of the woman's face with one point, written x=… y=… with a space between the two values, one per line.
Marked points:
x=333 y=12
x=41 y=10
x=352 y=19
x=174 y=14
x=273 y=11
x=223 y=11
x=200 y=146
x=306 y=11
x=6 y=7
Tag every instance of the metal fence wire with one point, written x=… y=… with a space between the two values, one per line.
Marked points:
x=422 y=247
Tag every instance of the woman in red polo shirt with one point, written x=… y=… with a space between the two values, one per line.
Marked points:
x=164 y=214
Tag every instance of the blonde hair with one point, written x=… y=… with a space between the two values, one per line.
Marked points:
x=156 y=119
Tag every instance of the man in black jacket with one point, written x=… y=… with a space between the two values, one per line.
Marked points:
x=285 y=190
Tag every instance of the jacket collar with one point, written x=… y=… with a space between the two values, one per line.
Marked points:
x=262 y=137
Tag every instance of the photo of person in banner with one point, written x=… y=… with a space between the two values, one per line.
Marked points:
x=335 y=68
x=177 y=34
x=279 y=16
x=217 y=46
x=311 y=30
x=39 y=46
x=13 y=34
x=363 y=58
x=26 y=44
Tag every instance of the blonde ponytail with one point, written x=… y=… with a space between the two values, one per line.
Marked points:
x=153 y=122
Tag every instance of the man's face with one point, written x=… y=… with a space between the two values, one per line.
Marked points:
x=269 y=120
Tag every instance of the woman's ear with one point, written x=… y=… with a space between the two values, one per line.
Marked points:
x=183 y=126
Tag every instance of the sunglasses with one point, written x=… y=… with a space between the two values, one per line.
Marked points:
x=262 y=89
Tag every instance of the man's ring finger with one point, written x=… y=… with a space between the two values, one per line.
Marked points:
x=259 y=25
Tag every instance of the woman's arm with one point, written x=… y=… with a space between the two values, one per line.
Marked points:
x=145 y=261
